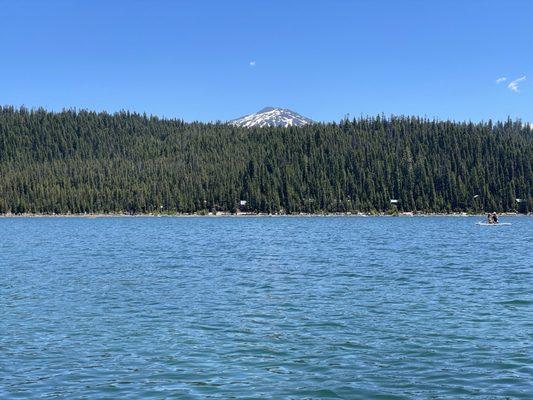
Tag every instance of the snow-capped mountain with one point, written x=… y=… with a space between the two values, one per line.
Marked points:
x=271 y=116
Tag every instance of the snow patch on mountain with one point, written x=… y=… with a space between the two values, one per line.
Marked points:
x=271 y=116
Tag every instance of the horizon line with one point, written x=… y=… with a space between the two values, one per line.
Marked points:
x=75 y=109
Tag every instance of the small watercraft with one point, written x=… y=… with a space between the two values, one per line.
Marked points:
x=494 y=224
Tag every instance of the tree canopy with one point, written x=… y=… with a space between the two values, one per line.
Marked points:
x=88 y=162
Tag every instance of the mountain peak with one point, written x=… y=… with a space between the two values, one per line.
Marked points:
x=271 y=116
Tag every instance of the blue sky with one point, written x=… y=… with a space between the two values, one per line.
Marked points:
x=217 y=60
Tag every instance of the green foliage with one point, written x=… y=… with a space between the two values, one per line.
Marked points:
x=87 y=162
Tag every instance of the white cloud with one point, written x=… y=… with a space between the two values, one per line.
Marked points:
x=513 y=85
x=252 y=63
x=502 y=79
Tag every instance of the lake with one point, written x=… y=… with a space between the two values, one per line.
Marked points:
x=266 y=307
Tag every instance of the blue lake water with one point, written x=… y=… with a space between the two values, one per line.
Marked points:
x=279 y=307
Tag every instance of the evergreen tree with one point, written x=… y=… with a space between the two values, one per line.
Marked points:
x=87 y=162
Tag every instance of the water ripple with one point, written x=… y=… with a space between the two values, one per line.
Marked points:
x=296 y=308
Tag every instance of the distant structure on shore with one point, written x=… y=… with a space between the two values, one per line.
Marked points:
x=271 y=116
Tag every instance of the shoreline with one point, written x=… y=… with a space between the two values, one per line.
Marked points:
x=241 y=214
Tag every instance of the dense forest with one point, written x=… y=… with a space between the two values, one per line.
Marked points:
x=88 y=162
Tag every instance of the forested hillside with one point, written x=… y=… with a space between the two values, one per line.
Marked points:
x=87 y=162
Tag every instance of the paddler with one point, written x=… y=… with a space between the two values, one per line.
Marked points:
x=494 y=218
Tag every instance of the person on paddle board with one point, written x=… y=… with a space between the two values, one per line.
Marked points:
x=494 y=218
x=489 y=218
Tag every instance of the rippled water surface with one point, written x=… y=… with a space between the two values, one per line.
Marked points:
x=280 y=307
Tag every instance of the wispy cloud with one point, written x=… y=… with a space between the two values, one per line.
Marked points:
x=252 y=63
x=502 y=79
x=513 y=85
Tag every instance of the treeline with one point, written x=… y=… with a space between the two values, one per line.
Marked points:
x=88 y=162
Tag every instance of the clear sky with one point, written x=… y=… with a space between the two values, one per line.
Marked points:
x=217 y=60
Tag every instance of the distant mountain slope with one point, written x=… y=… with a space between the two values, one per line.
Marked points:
x=272 y=116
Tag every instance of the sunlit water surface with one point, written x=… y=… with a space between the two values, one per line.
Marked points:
x=280 y=307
